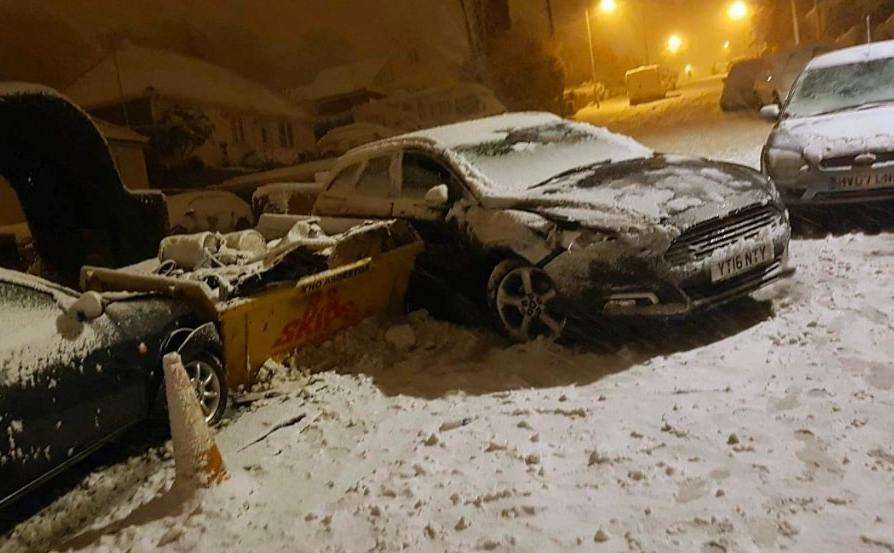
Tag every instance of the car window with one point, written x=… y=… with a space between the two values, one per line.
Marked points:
x=420 y=174
x=842 y=87
x=343 y=183
x=376 y=178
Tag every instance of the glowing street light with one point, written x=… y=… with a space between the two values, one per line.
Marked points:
x=738 y=10
x=674 y=44
x=726 y=45
x=608 y=6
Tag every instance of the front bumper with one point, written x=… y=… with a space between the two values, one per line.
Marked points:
x=817 y=188
x=654 y=288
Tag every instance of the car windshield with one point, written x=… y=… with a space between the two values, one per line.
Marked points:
x=842 y=87
x=522 y=158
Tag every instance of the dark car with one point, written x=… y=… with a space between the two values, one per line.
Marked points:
x=738 y=86
x=544 y=219
x=77 y=371
x=833 y=141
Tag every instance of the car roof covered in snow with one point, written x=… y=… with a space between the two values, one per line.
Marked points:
x=479 y=131
x=855 y=54
x=506 y=154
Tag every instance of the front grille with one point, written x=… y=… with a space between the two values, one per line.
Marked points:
x=846 y=162
x=702 y=240
x=749 y=281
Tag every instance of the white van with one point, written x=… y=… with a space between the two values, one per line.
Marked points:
x=644 y=84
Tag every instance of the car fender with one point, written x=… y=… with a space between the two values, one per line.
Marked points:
x=202 y=338
x=186 y=341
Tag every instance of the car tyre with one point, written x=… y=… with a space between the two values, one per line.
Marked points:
x=524 y=301
x=208 y=378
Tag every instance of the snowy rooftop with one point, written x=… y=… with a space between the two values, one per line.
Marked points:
x=855 y=54
x=341 y=79
x=174 y=76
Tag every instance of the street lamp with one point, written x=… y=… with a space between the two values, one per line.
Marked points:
x=674 y=44
x=738 y=10
x=606 y=7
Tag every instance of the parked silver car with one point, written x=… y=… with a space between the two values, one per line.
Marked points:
x=834 y=139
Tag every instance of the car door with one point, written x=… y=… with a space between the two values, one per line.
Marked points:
x=451 y=268
x=364 y=190
x=63 y=390
x=419 y=176
x=334 y=199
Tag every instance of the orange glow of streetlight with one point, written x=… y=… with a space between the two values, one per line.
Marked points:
x=726 y=45
x=674 y=44
x=608 y=6
x=738 y=10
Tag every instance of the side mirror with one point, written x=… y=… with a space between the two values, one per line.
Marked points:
x=771 y=112
x=88 y=307
x=437 y=197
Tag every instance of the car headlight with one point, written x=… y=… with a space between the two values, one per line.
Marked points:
x=574 y=240
x=784 y=165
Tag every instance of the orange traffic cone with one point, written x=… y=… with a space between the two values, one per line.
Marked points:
x=196 y=457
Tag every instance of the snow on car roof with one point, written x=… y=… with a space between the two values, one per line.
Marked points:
x=512 y=152
x=482 y=130
x=855 y=54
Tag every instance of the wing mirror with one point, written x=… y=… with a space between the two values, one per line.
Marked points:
x=771 y=112
x=90 y=306
x=437 y=196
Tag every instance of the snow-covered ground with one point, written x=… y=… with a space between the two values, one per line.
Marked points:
x=688 y=122
x=764 y=426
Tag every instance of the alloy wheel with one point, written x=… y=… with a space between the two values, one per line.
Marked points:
x=207 y=386
x=525 y=303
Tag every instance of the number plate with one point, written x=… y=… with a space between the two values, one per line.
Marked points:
x=865 y=181
x=740 y=261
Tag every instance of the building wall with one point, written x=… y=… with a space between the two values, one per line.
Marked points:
x=239 y=135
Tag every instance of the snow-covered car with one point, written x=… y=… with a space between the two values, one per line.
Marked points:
x=75 y=371
x=341 y=139
x=208 y=210
x=833 y=141
x=544 y=219
x=293 y=198
x=738 y=87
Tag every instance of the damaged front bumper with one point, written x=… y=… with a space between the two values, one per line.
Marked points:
x=653 y=287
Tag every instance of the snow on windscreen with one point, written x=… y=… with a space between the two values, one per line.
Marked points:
x=831 y=88
x=518 y=151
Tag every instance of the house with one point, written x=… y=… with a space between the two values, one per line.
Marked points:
x=335 y=94
x=137 y=87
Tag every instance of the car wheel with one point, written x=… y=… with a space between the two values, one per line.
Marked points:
x=206 y=374
x=524 y=301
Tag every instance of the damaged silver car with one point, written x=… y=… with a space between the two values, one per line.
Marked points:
x=544 y=220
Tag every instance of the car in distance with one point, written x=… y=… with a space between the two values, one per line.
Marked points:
x=77 y=371
x=543 y=220
x=833 y=141
x=780 y=71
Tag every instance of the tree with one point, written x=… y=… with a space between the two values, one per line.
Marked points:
x=178 y=134
x=525 y=72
